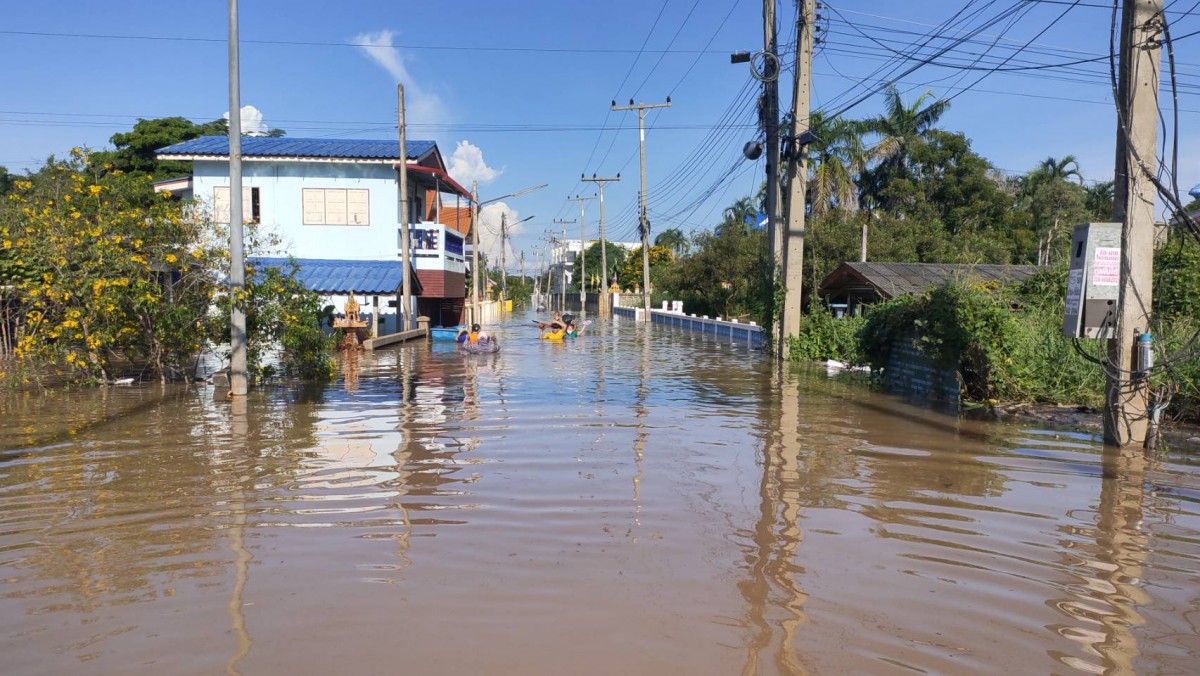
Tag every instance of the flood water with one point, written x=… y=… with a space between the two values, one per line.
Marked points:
x=639 y=501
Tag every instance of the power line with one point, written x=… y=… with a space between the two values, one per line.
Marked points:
x=321 y=43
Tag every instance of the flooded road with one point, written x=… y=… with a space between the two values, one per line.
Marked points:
x=632 y=503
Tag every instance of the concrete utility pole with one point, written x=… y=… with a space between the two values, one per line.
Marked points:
x=503 y=271
x=1126 y=419
x=562 y=264
x=537 y=276
x=552 y=239
x=582 y=253
x=643 y=221
x=769 y=111
x=475 y=309
x=604 y=309
x=239 y=382
x=406 y=274
x=793 y=252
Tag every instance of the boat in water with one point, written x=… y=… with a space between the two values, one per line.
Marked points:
x=448 y=333
x=486 y=347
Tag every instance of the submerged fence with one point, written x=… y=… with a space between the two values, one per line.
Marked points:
x=750 y=335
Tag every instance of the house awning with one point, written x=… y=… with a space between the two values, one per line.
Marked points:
x=336 y=276
x=430 y=177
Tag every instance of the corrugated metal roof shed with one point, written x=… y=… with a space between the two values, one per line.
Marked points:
x=897 y=279
x=345 y=276
x=265 y=146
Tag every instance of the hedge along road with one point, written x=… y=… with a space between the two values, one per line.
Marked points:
x=637 y=501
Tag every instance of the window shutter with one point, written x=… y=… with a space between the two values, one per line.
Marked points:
x=221 y=204
x=335 y=207
x=358 y=207
x=247 y=205
x=314 y=206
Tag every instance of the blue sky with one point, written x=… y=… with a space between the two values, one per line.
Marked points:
x=527 y=85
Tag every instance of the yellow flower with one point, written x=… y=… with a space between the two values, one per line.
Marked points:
x=171 y=258
x=94 y=189
x=7 y=244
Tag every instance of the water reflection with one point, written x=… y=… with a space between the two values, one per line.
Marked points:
x=239 y=428
x=1101 y=606
x=774 y=597
x=637 y=501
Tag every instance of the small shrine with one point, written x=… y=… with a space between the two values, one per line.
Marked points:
x=351 y=323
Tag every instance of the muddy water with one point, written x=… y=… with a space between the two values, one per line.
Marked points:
x=613 y=505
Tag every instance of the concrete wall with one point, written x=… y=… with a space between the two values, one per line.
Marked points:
x=282 y=205
x=910 y=371
x=750 y=335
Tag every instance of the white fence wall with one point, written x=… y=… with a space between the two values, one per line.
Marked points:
x=751 y=335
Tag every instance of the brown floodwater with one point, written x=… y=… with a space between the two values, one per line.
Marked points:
x=634 y=502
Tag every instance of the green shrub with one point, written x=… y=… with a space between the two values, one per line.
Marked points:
x=885 y=324
x=824 y=336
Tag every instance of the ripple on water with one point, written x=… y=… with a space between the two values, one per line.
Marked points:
x=627 y=503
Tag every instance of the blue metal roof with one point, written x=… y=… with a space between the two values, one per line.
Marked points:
x=344 y=276
x=218 y=146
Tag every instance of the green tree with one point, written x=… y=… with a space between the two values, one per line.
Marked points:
x=1099 y=200
x=723 y=274
x=673 y=239
x=97 y=280
x=901 y=129
x=630 y=272
x=6 y=180
x=1055 y=200
x=739 y=216
x=597 y=278
x=136 y=149
x=836 y=159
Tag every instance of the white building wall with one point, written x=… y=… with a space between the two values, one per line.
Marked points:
x=281 y=199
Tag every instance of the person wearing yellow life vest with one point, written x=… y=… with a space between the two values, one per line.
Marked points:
x=555 y=333
x=471 y=336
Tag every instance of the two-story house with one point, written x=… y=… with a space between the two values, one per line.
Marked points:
x=334 y=205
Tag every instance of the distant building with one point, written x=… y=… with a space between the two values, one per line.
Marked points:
x=852 y=285
x=335 y=203
x=563 y=253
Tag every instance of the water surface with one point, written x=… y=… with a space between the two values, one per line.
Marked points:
x=633 y=502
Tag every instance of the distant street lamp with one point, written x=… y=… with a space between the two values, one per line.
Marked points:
x=475 y=204
x=503 y=268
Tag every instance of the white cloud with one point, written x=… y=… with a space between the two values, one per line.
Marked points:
x=421 y=106
x=489 y=232
x=252 y=121
x=467 y=164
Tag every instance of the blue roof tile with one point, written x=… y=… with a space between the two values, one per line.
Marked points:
x=218 y=146
x=343 y=276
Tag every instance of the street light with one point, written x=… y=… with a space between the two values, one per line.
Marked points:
x=503 y=268
x=475 y=204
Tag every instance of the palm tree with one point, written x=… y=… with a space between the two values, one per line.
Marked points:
x=673 y=239
x=1052 y=170
x=1044 y=191
x=902 y=127
x=739 y=216
x=1100 y=199
x=836 y=157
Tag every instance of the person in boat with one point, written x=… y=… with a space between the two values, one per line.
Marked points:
x=469 y=336
x=571 y=329
x=555 y=322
